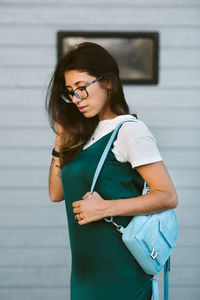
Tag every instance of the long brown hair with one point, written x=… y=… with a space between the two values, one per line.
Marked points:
x=96 y=61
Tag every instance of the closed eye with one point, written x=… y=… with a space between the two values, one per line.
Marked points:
x=81 y=88
x=69 y=92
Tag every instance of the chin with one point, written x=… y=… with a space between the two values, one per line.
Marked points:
x=89 y=115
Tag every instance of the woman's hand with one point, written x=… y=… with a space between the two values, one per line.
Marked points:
x=92 y=208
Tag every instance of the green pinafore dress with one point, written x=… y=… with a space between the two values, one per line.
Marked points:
x=102 y=267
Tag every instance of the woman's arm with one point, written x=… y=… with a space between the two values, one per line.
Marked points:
x=163 y=194
x=55 y=184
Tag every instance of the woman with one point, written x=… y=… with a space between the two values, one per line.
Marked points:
x=86 y=102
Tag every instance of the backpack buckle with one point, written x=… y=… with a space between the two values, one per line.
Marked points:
x=152 y=254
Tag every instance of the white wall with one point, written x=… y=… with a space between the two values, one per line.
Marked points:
x=34 y=252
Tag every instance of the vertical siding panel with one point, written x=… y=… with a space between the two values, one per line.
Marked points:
x=35 y=253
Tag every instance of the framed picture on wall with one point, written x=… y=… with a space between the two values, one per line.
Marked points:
x=135 y=52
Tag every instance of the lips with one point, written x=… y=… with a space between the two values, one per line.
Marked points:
x=82 y=108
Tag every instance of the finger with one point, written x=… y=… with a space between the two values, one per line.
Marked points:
x=79 y=217
x=76 y=204
x=95 y=193
x=76 y=217
x=77 y=210
x=82 y=222
x=86 y=195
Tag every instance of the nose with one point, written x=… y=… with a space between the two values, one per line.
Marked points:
x=75 y=99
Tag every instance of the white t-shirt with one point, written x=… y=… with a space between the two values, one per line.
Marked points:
x=135 y=143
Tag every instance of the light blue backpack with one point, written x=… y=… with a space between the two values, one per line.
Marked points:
x=149 y=238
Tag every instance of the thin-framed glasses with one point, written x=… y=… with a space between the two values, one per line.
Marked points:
x=80 y=92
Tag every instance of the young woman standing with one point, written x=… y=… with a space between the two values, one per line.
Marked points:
x=86 y=102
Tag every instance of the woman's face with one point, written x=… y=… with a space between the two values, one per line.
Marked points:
x=97 y=101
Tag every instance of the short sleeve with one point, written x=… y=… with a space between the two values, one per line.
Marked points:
x=136 y=144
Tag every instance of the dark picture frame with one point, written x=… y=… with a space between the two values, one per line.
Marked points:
x=137 y=53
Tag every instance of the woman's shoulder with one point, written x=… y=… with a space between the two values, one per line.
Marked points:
x=136 y=144
x=133 y=129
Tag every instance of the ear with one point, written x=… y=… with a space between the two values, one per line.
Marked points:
x=108 y=84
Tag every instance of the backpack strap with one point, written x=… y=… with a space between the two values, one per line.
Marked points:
x=105 y=152
x=166 y=279
x=155 y=288
x=155 y=294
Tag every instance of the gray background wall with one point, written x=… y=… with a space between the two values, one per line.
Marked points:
x=34 y=252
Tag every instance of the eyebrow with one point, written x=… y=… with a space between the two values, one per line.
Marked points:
x=76 y=83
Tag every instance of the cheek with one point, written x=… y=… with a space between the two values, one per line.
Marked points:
x=99 y=98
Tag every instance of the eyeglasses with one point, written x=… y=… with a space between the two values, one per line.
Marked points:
x=80 y=92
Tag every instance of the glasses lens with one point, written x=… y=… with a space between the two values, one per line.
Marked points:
x=81 y=93
x=66 y=97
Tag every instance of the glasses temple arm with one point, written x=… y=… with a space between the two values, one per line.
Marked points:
x=93 y=81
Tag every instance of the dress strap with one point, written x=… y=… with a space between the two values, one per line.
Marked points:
x=105 y=152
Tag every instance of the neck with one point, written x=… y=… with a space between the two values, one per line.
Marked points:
x=108 y=117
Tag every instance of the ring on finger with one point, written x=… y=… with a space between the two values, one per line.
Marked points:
x=78 y=215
